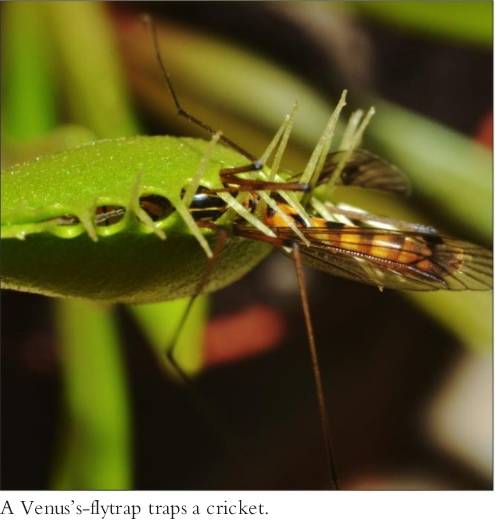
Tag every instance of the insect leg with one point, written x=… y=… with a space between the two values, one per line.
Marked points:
x=332 y=473
x=230 y=176
x=180 y=110
x=203 y=406
x=247 y=232
x=222 y=236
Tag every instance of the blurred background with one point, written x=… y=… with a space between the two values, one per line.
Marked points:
x=408 y=377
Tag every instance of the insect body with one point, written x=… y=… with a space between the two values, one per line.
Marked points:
x=389 y=256
x=367 y=248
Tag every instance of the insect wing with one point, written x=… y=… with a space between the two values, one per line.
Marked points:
x=392 y=259
x=366 y=170
x=361 y=218
x=399 y=260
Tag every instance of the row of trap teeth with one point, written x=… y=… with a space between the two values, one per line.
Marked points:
x=152 y=209
x=157 y=207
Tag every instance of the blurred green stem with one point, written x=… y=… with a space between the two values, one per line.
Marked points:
x=98 y=420
x=98 y=443
x=95 y=86
x=97 y=447
x=28 y=97
x=469 y=22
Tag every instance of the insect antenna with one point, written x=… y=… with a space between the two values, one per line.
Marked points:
x=228 y=175
x=320 y=394
x=180 y=110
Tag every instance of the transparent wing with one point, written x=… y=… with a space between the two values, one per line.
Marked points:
x=366 y=170
x=361 y=218
x=390 y=258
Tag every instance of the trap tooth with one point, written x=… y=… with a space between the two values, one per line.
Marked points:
x=87 y=223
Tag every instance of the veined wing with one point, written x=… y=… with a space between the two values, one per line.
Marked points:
x=390 y=258
x=366 y=170
x=361 y=218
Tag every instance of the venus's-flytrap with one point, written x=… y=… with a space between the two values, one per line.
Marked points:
x=109 y=220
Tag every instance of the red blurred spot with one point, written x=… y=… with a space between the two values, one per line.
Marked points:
x=252 y=330
x=484 y=134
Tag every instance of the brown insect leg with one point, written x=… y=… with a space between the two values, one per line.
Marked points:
x=332 y=472
x=181 y=111
x=234 y=183
x=203 y=406
x=219 y=245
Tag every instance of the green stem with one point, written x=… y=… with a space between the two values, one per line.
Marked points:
x=467 y=22
x=28 y=98
x=98 y=446
x=98 y=435
x=94 y=83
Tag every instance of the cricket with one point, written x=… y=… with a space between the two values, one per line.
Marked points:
x=171 y=217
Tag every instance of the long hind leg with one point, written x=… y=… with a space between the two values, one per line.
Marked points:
x=320 y=393
x=333 y=481
x=170 y=351
x=209 y=412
